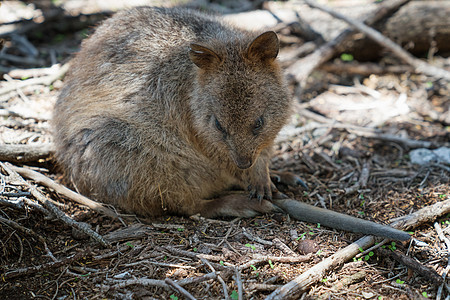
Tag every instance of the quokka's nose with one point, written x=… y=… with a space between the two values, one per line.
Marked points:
x=243 y=162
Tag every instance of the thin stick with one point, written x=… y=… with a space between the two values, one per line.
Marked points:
x=45 y=80
x=62 y=190
x=419 y=65
x=178 y=288
x=411 y=263
x=54 y=210
x=237 y=278
x=303 y=67
x=50 y=265
x=25 y=230
x=301 y=283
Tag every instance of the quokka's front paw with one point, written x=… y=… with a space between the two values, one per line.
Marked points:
x=261 y=187
x=287 y=178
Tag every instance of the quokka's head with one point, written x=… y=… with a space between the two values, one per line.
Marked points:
x=239 y=101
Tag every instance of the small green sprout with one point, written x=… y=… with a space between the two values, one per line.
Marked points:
x=250 y=246
x=346 y=57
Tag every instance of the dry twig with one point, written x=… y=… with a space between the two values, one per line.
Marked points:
x=303 y=67
x=62 y=190
x=409 y=262
x=53 y=209
x=44 y=80
x=39 y=268
x=302 y=282
x=178 y=288
x=419 y=65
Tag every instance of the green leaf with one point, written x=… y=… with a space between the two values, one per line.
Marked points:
x=250 y=246
x=221 y=262
x=425 y=294
x=346 y=57
x=129 y=244
x=234 y=295
x=271 y=264
x=400 y=281
x=173 y=297
x=253 y=267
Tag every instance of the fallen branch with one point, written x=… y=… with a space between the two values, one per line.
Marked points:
x=53 y=209
x=302 y=282
x=119 y=284
x=25 y=153
x=62 y=190
x=44 y=80
x=50 y=265
x=414 y=265
x=423 y=215
x=303 y=67
x=257 y=259
x=178 y=288
x=419 y=65
x=25 y=230
x=361 y=131
x=408 y=143
x=364 y=69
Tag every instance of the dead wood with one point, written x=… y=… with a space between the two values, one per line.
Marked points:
x=364 y=131
x=424 y=215
x=421 y=27
x=40 y=268
x=414 y=265
x=257 y=259
x=62 y=190
x=303 y=67
x=53 y=209
x=364 y=69
x=178 y=288
x=25 y=230
x=44 y=80
x=25 y=153
x=301 y=283
x=419 y=65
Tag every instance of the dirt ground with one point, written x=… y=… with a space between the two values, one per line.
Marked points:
x=340 y=142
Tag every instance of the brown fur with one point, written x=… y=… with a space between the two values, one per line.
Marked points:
x=135 y=124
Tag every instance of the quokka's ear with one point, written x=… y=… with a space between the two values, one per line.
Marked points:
x=264 y=48
x=204 y=58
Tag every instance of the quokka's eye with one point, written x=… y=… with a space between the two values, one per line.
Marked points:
x=259 y=123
